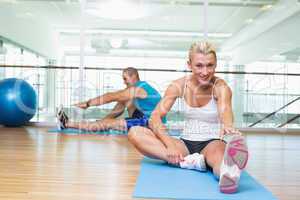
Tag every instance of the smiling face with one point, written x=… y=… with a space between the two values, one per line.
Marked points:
x=203 y=67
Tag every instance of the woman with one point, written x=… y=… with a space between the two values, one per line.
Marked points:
x=208 y=131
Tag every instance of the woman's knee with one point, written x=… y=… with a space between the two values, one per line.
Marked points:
x=214 y=154
x=218 y=156
x=134 y=134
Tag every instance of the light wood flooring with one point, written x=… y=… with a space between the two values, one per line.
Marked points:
x=38 y=165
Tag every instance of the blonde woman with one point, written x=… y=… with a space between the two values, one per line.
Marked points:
x=209 y=139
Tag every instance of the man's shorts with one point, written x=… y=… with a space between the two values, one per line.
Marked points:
x=137 y=119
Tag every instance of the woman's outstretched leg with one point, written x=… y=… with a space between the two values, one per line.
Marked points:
x=227 y=161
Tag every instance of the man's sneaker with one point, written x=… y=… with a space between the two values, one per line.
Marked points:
x=234 y=161
x=62 y=118
x=194 y=161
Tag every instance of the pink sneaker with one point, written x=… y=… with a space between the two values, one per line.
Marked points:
x=234 y=161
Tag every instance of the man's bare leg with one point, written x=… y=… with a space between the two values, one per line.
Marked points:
x=100 y=125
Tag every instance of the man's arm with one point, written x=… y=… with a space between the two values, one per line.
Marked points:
x=116 y=111
x=119 y=96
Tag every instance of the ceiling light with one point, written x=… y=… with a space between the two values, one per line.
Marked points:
x=118 y=10
x=249 y=21
x=116 y=43
x=145 y=33
x=28 y=14
x=266 y=7
x=9 y=1
x=77 y=49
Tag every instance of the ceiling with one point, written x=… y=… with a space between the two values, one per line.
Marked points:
x=244 y=30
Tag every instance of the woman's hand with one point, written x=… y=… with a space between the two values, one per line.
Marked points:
x=226 y=130
x=174 y=156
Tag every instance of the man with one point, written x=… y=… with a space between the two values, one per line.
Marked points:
x=138 y=97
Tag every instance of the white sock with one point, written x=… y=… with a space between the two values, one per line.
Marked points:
x=194 y=161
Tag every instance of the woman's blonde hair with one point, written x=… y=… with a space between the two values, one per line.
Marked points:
x=202 y=47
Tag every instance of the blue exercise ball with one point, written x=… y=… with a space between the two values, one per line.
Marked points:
x=18 y=102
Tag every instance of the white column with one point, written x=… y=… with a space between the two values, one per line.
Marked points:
x=82 y=77
x=205 y=19
x=238 y=99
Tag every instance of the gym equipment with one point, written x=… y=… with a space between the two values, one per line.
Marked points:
x=18 y=102
x=158 y=180
x=73 y=131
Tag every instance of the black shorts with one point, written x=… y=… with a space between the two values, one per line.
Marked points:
x=136 y=115
x=197 y=146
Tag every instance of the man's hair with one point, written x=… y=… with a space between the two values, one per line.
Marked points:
x=202 y=47
x=131 y=71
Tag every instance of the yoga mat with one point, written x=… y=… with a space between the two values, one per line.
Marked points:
x=160 y=180
x=72 y=131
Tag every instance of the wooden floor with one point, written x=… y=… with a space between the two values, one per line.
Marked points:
x=38 y=165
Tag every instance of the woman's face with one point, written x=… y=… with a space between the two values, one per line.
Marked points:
x=203 y=67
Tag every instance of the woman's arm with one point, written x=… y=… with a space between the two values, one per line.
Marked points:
x=161 y=110
x=159 y=129
x=224 y=96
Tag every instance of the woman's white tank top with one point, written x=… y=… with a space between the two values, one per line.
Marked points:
x=201 y=123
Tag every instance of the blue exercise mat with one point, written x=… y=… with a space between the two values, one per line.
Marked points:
x=160 y=180
x=72 y=131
